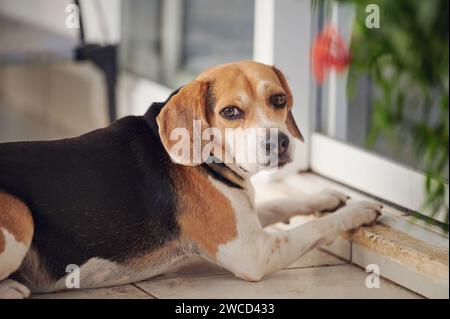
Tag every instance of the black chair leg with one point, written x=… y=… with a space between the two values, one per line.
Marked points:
x=105 y=58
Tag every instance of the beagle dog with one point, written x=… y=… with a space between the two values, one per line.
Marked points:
x=118 y=204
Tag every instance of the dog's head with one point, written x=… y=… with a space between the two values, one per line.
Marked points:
x=245 y=103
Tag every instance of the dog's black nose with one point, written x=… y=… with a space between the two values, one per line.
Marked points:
x=283 y=144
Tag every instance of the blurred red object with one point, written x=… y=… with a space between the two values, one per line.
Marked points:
x=329 y=52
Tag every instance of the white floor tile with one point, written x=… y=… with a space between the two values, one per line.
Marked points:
x=200 y=267
x=342 y=281
x=118 y=292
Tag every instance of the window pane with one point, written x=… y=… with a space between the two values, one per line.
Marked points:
x=396 y=106
x=216 y=32
x=139 y=51
x=206 y=33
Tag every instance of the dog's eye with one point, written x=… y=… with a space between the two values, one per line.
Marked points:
x=278 y=100
x=231 y=113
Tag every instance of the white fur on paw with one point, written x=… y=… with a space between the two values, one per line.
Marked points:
x=361 y=213
x=327 y=200
x=10 y=289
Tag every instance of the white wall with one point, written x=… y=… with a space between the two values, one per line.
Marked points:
x=51 y=15
x=47 y=14
x=111 y=11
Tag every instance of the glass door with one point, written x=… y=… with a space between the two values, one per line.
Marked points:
x=381 y=120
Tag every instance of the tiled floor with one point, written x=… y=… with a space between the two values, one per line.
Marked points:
x=317 y=275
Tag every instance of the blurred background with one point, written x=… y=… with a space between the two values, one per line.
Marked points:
x=380 y=114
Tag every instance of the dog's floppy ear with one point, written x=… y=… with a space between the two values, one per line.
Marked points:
x=290 y=122
x=178 y=115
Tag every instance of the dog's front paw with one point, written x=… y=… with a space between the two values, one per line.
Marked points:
x=327 y=201
x=363 y=213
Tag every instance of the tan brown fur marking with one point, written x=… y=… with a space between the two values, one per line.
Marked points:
x=205 y=214
x=188 y=105
x=290 y=122
x=16 y=218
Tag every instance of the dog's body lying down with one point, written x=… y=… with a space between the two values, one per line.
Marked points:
x=115 y=202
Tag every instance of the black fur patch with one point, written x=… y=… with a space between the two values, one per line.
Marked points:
x=215 y=170
x=105 y=194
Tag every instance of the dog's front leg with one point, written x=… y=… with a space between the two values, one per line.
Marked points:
x=281 y=210
x=256 y=252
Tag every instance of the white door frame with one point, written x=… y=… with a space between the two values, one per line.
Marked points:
x=370 y=173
